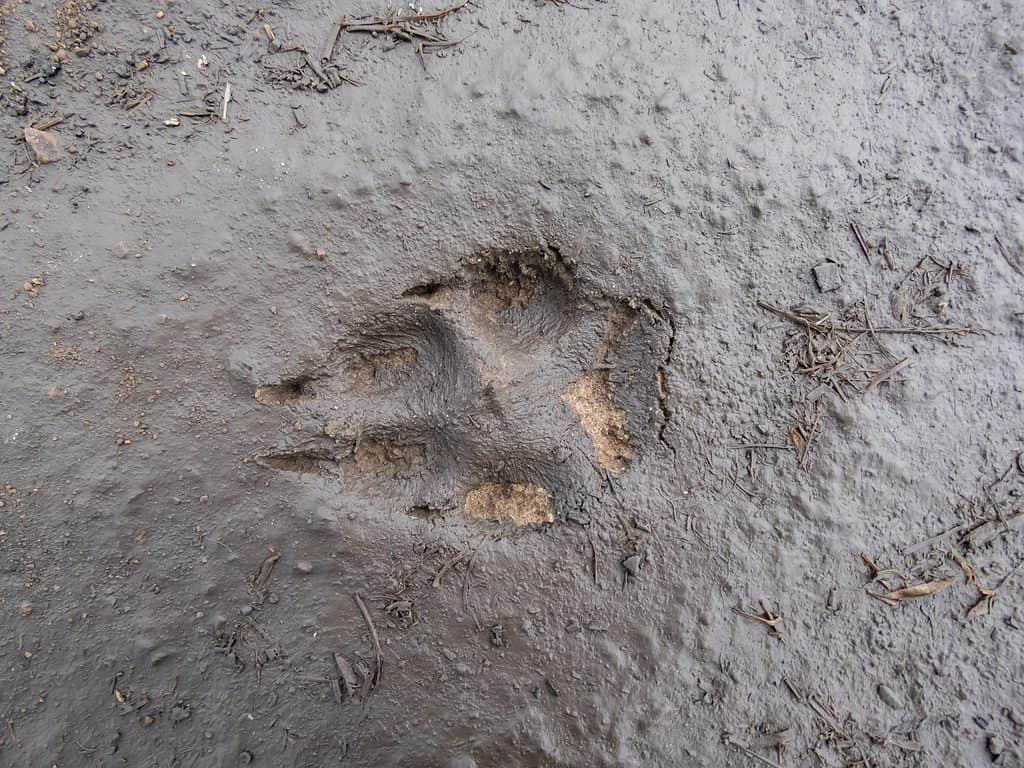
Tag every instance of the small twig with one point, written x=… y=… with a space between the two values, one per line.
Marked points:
x=448 y=565
x=593 y=557
x=348 y=675
x=1006 y=256
x=131 y=106
x=876 y=570
x=377 y=652
x=753 y=755
x=332 y=41
x=823 y=326
x=885 y=375
x=860 y=241
x=227 y=98
x=47 y=124
x=259 y=581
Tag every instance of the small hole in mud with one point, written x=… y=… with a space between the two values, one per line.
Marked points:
x=423 y=512
x=285 y=392
x=425 y=291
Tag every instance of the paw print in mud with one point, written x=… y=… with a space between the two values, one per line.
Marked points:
x=506 y=390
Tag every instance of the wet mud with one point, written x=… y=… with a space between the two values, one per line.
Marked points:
x=504 y=383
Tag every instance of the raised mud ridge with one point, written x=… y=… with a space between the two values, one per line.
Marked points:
x=505 y=389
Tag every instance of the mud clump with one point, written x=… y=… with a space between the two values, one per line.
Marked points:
x=521 y=503
x=590 y=398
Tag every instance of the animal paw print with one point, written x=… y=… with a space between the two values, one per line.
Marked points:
x=506 y=390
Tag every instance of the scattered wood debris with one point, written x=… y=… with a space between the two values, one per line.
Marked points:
x=984 y=520
x=303 y=70
x=423 y=30
x=926 y=291
x=844 y=356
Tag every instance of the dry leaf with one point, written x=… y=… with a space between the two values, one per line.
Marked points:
x=969 y=572
x=983 y=606
x=794 y=435
x=119 y=696
x=918 y=590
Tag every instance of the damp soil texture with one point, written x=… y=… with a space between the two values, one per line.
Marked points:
x=511 y=383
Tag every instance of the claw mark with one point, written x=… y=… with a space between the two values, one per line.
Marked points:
x=309 y=458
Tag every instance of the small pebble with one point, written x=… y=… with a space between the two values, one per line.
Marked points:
x=995 y=746
x=632 y=565
x=304 y=567
x=889 y=696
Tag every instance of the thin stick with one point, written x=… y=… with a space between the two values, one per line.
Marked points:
x=348 y=675
x=885 y=375
x=227 y=98
x=47 y=124
x=931 y=330
x=1006 y=256
x=391 y=23
x=332 y=41
x=860 y=241
x=753 y=755
x=448 y=565
x=437 y=15
x=377 y=652
x=133 y=105
x=911 y=272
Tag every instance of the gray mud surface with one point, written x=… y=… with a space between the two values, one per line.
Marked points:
x=548 y=384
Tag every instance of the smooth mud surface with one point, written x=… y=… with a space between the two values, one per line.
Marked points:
x=514 y=383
